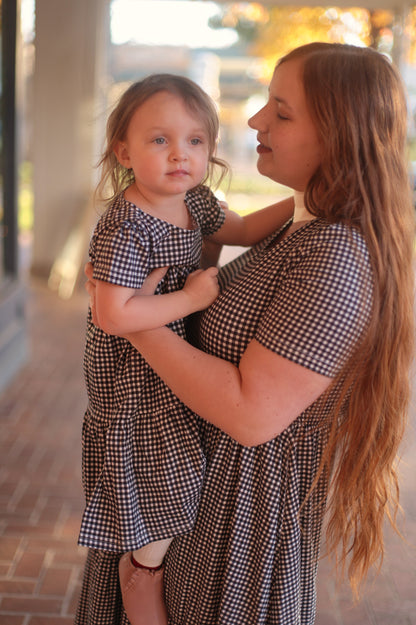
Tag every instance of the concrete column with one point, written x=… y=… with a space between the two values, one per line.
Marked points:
x=69 y=83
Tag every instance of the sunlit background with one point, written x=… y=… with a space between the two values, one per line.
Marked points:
x=230 y=49
x=139 y=22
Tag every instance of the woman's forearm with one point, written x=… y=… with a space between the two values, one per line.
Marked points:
x=250 y=229
x=197 y=378
x=261 y=223
x=253 y=402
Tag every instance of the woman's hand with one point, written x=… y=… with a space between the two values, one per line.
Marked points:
x=90 y=287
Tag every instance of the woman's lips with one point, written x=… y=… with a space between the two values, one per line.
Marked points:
x=262 y=149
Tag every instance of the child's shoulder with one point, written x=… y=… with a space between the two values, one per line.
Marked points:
x=122 y=214
x=202 y=200
x=119 y=218
x=205 y=209
x=120 y=210
x=200 y=194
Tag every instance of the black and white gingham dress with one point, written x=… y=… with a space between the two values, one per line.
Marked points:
x=252 y=556
x=142 y=458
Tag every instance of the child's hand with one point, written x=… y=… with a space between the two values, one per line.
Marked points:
x=202 y=287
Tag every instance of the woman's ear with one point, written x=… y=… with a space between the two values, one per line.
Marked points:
x=122 y=154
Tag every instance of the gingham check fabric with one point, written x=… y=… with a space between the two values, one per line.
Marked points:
x=142 y=456
x=252 y=556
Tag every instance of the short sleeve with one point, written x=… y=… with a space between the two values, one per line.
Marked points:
x=205 y=209
x=323 y=303
x=120 y=255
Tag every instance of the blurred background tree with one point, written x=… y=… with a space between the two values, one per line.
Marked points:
x=270 y=32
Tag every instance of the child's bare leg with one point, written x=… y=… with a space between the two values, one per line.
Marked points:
x=152 y=555
x=141 y=582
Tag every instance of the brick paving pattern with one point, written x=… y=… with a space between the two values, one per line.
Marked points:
x=41 y=495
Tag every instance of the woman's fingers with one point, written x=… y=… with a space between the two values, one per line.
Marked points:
x=90 y=288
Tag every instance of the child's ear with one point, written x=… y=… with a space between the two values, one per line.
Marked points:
x=122 y=154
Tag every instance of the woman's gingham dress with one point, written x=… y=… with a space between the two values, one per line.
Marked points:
x=252 y=556
x=142 y=458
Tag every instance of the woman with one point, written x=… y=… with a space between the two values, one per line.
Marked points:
x=300 y=374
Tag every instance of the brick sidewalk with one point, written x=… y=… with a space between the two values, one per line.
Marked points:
x=40 y=480
x=41 y=496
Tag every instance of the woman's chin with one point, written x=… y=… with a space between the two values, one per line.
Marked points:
x=265 y=171
x=262 y=167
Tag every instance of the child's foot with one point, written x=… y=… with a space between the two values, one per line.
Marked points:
x=143 y=593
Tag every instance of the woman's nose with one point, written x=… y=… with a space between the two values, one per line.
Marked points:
x=256 y=121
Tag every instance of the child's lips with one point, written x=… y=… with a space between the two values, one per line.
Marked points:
x=178 y=173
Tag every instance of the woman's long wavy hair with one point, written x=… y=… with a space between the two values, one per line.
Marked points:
x=114 y=176
x=358 y=104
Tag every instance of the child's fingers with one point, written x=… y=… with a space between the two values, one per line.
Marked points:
x=211 y=271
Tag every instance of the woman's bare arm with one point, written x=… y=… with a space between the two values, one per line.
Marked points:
x=252 y=228
x=252 y=403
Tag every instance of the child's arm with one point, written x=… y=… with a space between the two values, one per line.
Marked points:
x=249 y=229
x=120 y=310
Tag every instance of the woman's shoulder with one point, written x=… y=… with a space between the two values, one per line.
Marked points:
x=322 y=229
x=338 y=230
x=335 y=256
x=337 y=239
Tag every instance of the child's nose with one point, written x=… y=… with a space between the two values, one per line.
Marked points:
x=178 y=153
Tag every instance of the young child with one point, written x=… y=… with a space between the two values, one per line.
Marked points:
x=142 y=456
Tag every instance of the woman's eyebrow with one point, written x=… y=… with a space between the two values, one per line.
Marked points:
x=279 y=99
x=282 y=101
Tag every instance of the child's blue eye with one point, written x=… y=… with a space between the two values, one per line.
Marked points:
x=160 y=140
x=196 y=141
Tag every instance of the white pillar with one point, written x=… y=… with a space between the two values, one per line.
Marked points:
x=70 y=77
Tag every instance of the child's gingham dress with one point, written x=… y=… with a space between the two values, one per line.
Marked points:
x=252 y=556
x=142 y=458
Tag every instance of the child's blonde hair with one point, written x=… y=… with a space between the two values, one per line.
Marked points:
x=114 y=177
